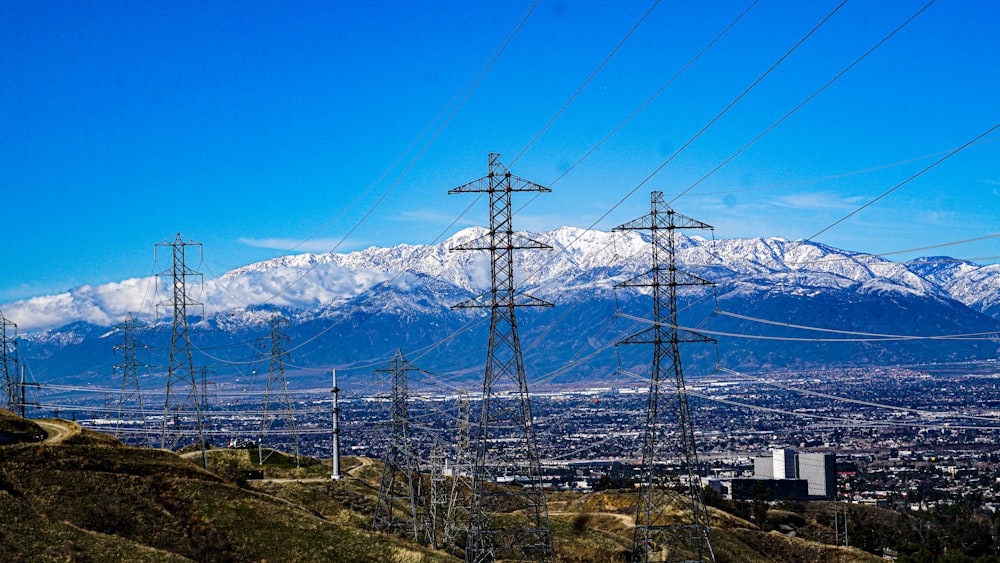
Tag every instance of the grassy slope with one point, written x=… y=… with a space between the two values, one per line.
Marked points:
x=93 y=499
x=100 y=502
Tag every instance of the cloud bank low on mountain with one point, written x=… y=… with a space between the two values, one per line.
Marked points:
x=108 y=304
x=103 y=305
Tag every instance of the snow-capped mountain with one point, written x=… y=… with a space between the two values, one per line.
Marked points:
x=354 y=307
x=974 y=285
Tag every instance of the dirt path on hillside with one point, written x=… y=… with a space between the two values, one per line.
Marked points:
x=57 y=430
x=623 y=518
x=363 y=463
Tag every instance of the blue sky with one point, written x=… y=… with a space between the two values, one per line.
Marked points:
x=252 y=126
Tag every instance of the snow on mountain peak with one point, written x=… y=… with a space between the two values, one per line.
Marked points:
x=580 y=260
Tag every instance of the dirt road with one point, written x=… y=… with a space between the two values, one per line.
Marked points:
x=625 y=519
x=58 y=430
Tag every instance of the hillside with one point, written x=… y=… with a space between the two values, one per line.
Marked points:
x=94 y=500
x=89 y=498
x=14 y=429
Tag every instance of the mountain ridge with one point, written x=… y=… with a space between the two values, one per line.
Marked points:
x=375 y=299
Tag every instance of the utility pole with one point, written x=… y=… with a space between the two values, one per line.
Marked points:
x=130 y=399
x=204 y=402
x=400 y=477
x=9 y=361
x=335 y=475
x=506 y=409
x=276 y=378
x=182 y=388
x=669 y=430
x=846 y=542
x=23 y=402
x=24 y=395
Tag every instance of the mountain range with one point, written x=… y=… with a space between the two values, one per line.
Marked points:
x=774 y=304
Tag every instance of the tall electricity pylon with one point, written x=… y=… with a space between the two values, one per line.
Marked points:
x=671 y=521
x=400 y=477
x=8 y=365
x=457 y=515
x=438 y=504
x=131 y=424
x=182 y=388
x=276 y=383
x=506 y=410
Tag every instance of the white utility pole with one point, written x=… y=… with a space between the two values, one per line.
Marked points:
x=336 y=476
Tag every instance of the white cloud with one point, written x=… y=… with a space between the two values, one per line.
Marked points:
x=289 y=245
x=816 y=201
x=429 y=216
x=103 y=305
x=108 y=304
x=290 y=286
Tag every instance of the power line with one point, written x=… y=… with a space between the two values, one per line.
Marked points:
x=803 y=103
x=848 y=421
x=887 y=338
x=483 y=71
x=855 y=401
x=830 y=177
x=904 y=182
x=856 y=333
x=718 y=116
x=650 y=99
x=739 y=97
x=585 y=83
x=424 y=148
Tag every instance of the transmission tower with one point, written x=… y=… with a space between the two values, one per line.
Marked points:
x=277 y=384
x=182 y=387
x=400 y=477
x=438 y=498
x=505 y=402
x=131 y=423
x=457 y=515
x=8 y=365
x=671 y=521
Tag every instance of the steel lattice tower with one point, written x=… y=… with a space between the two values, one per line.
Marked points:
x=505 y=402
x=8 y=365
x=457 y=515
x=400 y=477
x=131 y=423
x=276 y=378
x=671 y=521
x=438 y=504
x=182 y=387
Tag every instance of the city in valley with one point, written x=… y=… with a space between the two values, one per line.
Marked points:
x=908 y=438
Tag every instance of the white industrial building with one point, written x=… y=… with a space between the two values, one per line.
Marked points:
x=818 y=469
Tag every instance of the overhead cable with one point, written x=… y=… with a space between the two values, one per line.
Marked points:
x=801 y=104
